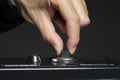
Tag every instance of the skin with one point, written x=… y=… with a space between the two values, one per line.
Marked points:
x=69 y=15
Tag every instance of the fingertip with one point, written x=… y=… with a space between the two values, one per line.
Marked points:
x=59 y=47
x=57 y=43
x=58 y=50
x=72 y=45
x=72 y=51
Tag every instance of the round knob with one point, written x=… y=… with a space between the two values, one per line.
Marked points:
x=64 y=59
x=65 y=54
x=34 y=59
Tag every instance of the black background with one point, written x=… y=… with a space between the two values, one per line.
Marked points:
x=100 y=38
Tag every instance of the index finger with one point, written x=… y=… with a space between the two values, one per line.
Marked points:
x=72 y=20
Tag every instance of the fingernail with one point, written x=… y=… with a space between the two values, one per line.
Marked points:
x=72 y=51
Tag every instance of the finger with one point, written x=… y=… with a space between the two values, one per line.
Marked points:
x=24 y=13
x=82 y=11
x=26 y=17
x=72 y=20
x=42 y=19
x=85 y=5
x=57 y=19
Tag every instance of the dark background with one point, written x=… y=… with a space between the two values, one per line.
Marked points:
x=100 y=38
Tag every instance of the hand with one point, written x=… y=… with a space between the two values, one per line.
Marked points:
x=69 y=15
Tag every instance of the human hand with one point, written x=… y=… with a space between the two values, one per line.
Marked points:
x=71 y=16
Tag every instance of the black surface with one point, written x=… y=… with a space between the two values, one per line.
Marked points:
x=48 y=71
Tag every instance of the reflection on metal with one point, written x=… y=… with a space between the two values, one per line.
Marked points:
x=64 y=59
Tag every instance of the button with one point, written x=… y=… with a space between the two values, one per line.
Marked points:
x=64 y=59
x=34 y=59
x=65 y=54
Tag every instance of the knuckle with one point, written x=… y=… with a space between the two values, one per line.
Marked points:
x=46 y=37
x=85 y=21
